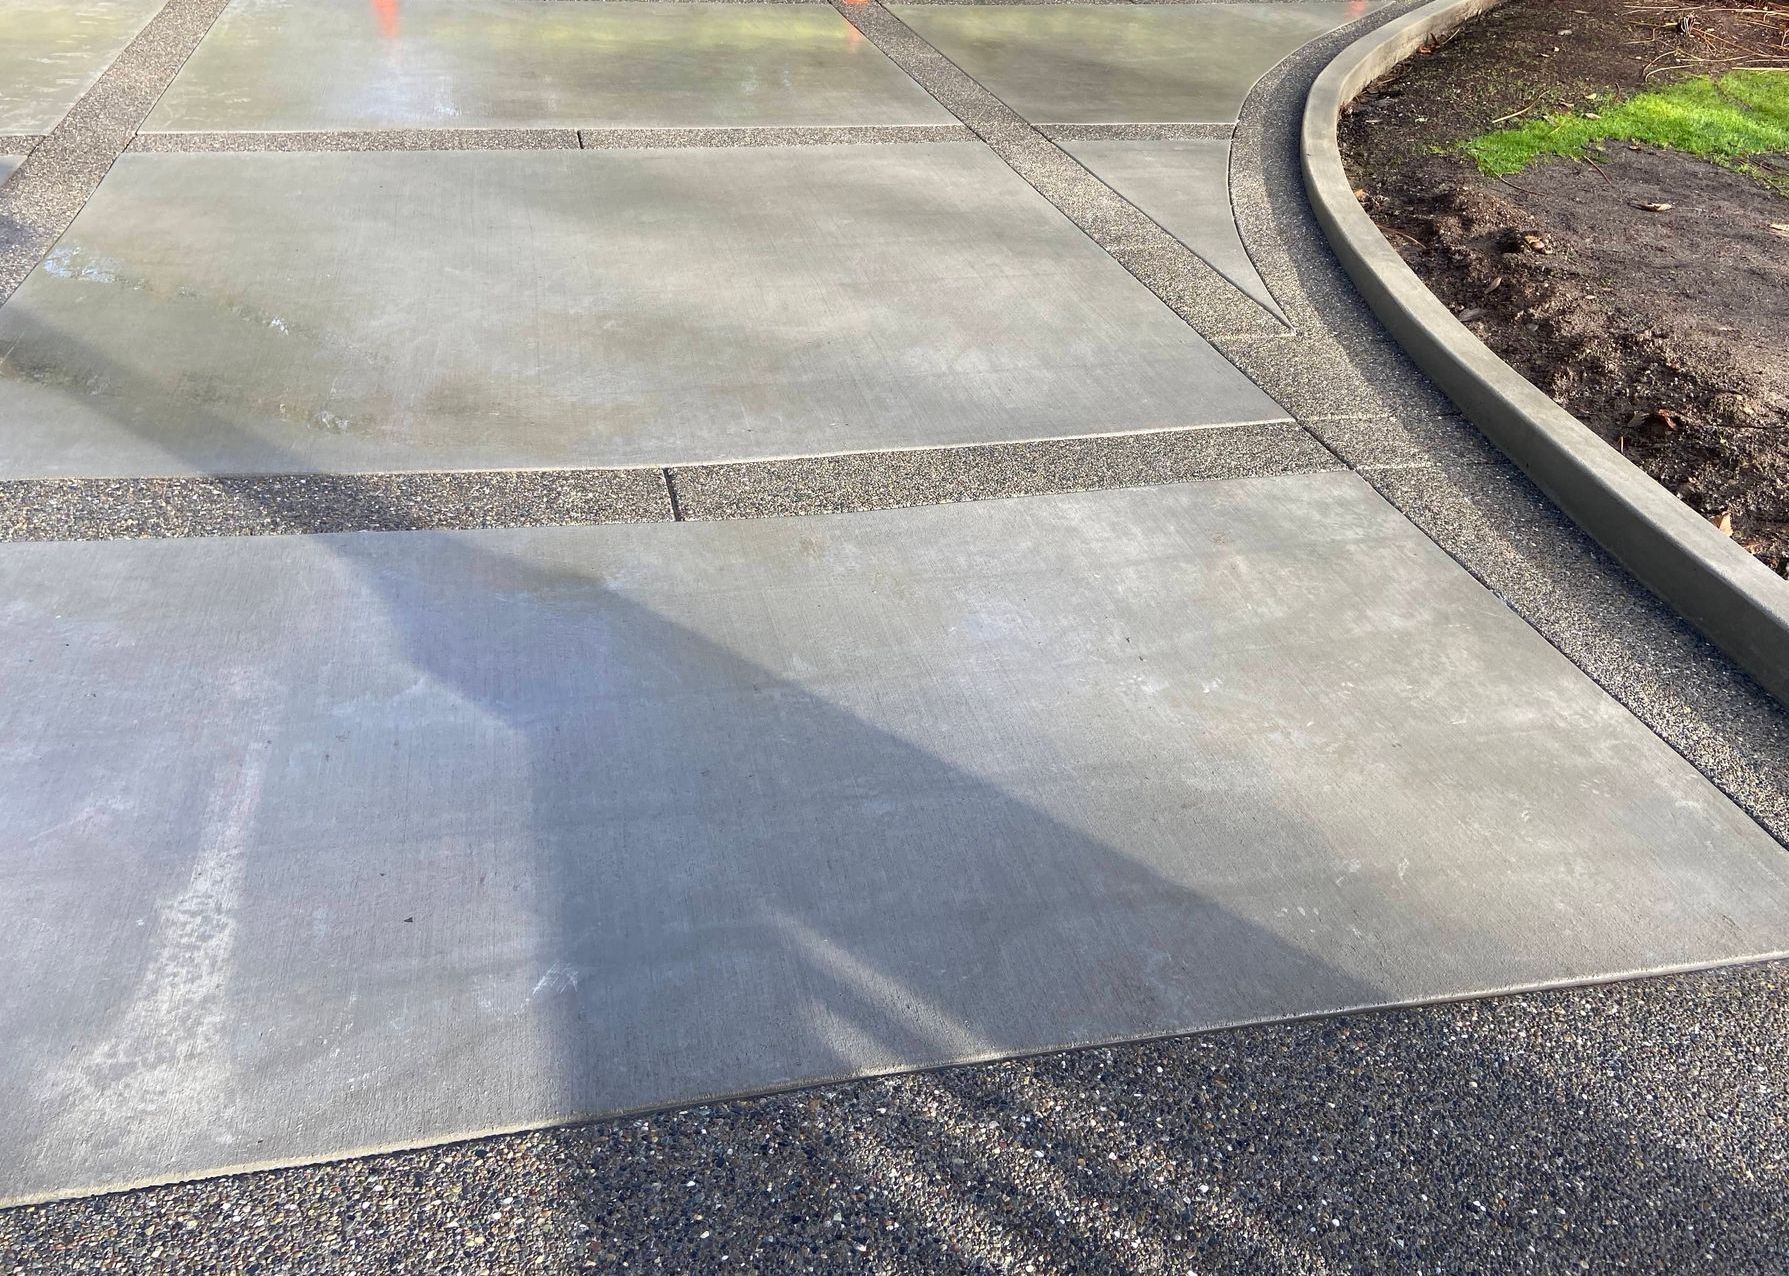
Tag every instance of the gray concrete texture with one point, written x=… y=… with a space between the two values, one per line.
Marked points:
x=316 y=844
x=51 y=52
x=66 y=165
x=1184 y=187
x=499 y=64
x=633 y=307
x=1114 y=64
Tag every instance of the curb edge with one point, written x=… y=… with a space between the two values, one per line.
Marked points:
x=1728 y=596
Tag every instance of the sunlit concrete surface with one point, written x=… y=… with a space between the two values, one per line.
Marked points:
x=349 y=64
x=1185 y=187
x=1108 y=64
x=312 y=844
x=51 y=52
x=545 y=308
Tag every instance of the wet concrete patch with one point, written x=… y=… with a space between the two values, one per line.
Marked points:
x=319 y=844
x=498 y=64
x=51 y=52
x=476 y=310
x=1109 y=64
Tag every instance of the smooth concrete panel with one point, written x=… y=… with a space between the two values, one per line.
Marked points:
x=8 y=163
x=51 y=52
x=351 y=64
x=548 y=308
x=315 y=844
x=1184 y=187
x=1115 y=64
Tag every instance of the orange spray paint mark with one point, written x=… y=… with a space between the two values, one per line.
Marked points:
x=388 y=17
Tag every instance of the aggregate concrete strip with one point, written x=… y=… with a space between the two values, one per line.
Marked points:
x=868 y=134
x=274 y=504
x=1312 y=374
x=403 y=139
x=1374 y=443
x=278 y=504
x=1192 y=288
x=1633 y=1127
x=18 y=143
x=880 y=480
x=1135 y=132
x=42 y=197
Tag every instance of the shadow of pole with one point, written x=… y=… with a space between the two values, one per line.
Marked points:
x=730 y=882
x=834 y=900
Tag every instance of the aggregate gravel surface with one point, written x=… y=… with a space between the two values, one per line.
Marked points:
x=927 y=476
x=525 y=139
x=273 y=504
x=1630 y=1127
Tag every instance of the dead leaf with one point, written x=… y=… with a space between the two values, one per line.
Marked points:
x=1652 y=208
x=1536 y=244
x=1723 y=524
x=1780 y=228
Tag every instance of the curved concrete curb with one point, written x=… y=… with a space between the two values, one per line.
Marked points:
x=1735 y=601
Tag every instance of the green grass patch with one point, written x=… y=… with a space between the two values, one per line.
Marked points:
x=1726 y=120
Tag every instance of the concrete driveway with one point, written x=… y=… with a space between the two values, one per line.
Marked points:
x=576 y=558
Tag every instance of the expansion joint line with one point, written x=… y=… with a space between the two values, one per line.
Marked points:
x=1185 y=282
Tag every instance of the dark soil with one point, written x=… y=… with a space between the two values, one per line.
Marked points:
x=1666 y=331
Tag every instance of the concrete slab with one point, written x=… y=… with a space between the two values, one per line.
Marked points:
x=499 y=64
x=578 y=308
x=1184 y=186
x=8 y=163
x=51 y=52
x=319 y=844
x=1116 y=64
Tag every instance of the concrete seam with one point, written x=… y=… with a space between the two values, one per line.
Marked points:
x=1206 y=300
x=53 y=509
x=508 y=139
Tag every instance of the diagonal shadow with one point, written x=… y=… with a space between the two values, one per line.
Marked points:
x=832 y=898
x=668 y=867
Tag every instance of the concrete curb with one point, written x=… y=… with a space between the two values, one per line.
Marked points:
x=1731 y=598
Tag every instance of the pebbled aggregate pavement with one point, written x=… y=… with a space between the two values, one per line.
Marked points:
x=1631 y=1127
